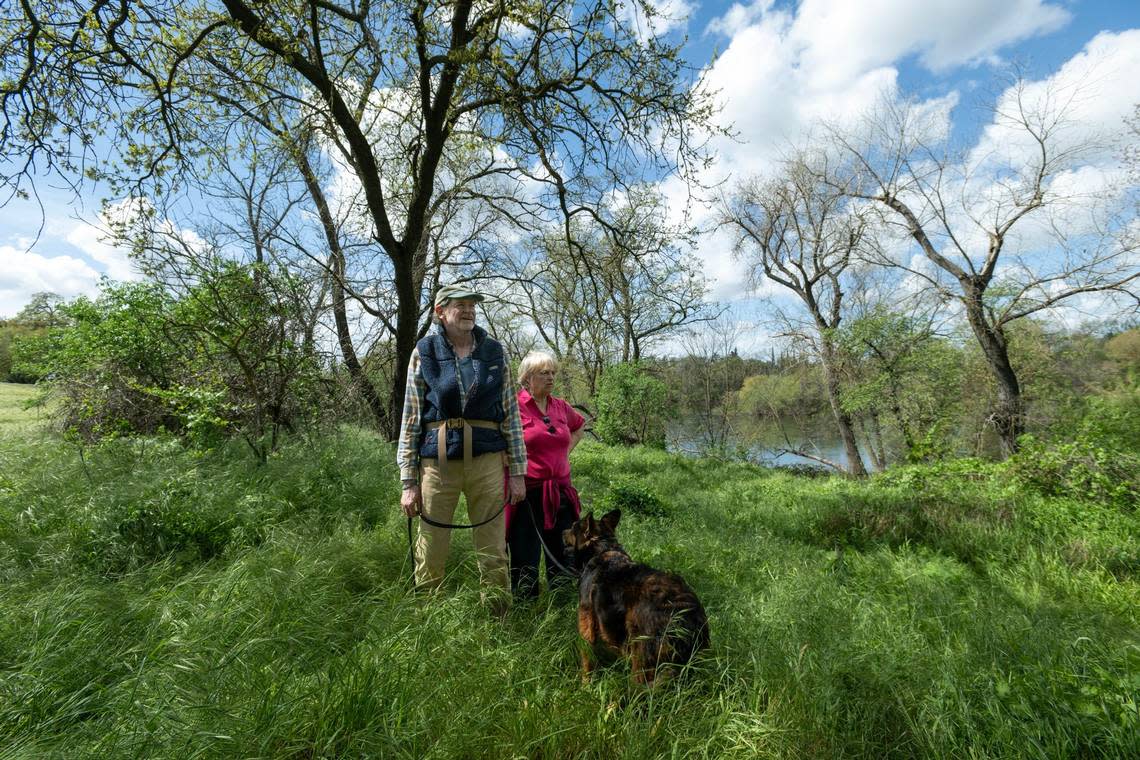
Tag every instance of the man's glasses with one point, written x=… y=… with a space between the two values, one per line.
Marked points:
x=549 y=427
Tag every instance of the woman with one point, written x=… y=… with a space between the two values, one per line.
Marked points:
x=551 y=429
x=459 y=393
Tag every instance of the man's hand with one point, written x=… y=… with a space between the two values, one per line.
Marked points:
x=411 y=500
x=516 y=492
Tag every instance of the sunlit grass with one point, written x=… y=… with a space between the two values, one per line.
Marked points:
x=17 y=412
x=165 y=602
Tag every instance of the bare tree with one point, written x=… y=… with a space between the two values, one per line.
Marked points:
x=1003 y=236
x=653 y=287
x=800 y=233
x=623 y=286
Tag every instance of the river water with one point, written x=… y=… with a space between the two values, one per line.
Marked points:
x=765 y=447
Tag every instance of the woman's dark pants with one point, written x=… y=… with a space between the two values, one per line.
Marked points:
x=525 y=550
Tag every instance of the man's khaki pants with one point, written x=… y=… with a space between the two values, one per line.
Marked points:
x=482 y=484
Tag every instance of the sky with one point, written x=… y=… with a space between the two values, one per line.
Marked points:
x=777 y=67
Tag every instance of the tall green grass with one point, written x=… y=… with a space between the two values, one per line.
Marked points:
x=157 y=601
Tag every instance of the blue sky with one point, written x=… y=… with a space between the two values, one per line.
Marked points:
x=780 y=66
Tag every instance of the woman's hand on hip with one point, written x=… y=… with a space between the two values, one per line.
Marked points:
x=411 y=500
x=516 y=491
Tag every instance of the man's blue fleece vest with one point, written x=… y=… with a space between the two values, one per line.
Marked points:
x=442 y=400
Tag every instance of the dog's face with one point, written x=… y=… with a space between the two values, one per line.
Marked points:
x=587 y=536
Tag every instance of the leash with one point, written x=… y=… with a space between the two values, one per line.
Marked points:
x=455 y=526
x=451 y=526
x=549 y=554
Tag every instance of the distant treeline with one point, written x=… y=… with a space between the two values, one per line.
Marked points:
x=230 y=357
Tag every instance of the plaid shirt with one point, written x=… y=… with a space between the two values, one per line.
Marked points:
x=408 y=450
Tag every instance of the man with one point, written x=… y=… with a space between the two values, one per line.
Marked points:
x=460 y=392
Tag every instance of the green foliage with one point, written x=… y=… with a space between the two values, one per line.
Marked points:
x=12 y=334
x=631 y=407
x=778 y=395
x=225 y=358
x=1123 y=350
x=102 y=362
x=44 y=309
x=898 y=370
x=631 y=497
x=1100 y=462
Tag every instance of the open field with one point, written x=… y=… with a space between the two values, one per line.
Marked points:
x=14 y=416
x=156 y=601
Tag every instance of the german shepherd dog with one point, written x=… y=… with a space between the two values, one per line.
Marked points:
x=627 y=608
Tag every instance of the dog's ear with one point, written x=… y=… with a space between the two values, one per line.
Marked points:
x=611 y=519
x=591 y=525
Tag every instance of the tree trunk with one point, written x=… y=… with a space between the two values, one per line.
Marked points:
x=842 y=418
x=900 y=418
x=351 y=362
x=1007 y=417
x=407 y=329
x=340 y=311
x=875 y=445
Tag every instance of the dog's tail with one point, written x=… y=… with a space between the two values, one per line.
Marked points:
x=686 y=633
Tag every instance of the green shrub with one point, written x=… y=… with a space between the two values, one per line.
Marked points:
x=1100 y=463
x=631 y=407
x=631 y=497
x=229 y=357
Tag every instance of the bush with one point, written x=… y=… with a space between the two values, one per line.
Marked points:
x=631 y=407
x=631 y=497
x=12 y=335
x=1100 y=463
x=229 y=357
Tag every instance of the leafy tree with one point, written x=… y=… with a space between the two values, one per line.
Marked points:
x=632 y=407
x=43 y=310
x=899 y=368
x=704 y=382
x=103 y=364
x=1123 y=349
x=780 y=407
x=622 y=286
x=534 y=109
x=222 y=359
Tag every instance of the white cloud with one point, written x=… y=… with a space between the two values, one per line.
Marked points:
x=79 y=254
x=93 y=242
x=23 y=273
x=783 y=70
x=95 y=239
x=1088 y=97
x=839 y=37
x=738 y=18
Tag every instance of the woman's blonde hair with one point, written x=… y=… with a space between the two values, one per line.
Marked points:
x=533 y=362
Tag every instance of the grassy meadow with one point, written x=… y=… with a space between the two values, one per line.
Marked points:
x=17 y=412
x=162 y=602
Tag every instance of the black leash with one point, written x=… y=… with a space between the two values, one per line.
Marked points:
x=549 y=554
x=437 y=524
x=455 y=526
